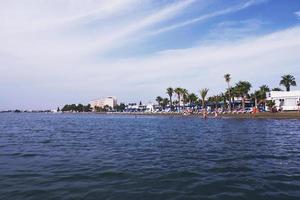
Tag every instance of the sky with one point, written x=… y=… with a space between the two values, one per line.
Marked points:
x=56 y=52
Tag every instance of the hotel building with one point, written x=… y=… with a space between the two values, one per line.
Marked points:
x=108 y=101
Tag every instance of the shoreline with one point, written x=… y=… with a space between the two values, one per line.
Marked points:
x=265 y=115
x=261 y=115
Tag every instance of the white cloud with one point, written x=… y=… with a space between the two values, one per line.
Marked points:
x=232 y=30
x=263 y=60
x=298 y=14
x=61 y=34
x=44 y=43
x=35 y=15
x=157 y=17
x=51 y=52
x=208 y=16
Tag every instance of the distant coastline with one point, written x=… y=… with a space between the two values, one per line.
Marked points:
x=260 y=115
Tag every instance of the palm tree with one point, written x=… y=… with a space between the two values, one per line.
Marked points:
x=227 y=79
x=287 y=81
x=184 y=93
x=263 y=93
x=264 y=89
x=243 y=87
x=234 y=93
x=164 y=103
x=223 y=98
x=192 y=98
x=270 y=105
x=218 y=99
x=159 y=100
x=170 y=92
x=213 y=100
x=178 y=92
x=203 y=94
x=256 y=96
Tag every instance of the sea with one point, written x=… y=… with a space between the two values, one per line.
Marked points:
x=119 y=157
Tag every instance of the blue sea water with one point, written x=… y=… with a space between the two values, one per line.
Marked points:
x=94 y=156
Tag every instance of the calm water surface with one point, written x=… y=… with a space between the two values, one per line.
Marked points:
x=87 y=156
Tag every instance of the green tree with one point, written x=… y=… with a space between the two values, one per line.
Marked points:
x=178 y=91
x=107 y=108
x=65 y=108
x=87 y=108
x=263 y=94
x=227 y=79
x=159 y=100
x=255 y=96
x=164 y=103
x=73 y=107
x=218 y=99
x=287 y=81
x=271 y=105
x=233 y=93
x=184 y=94
x=215 y=100
x=79 y=108
x=99 y=109
x=170 y=92
x=120 y=108
x=192 y=97
x=203 y=94
x=242 y=88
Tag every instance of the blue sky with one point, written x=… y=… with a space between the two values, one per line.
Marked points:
x=55 y=52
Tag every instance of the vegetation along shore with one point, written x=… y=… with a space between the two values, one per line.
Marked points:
x=238 y=101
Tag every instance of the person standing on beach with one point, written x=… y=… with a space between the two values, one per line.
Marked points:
x=216 y=114
x=205 y=114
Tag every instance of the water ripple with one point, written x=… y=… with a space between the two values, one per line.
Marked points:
x=73 y=156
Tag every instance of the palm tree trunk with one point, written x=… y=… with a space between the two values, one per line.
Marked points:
x=229 y=93
x=255 y=102
x=179 y=103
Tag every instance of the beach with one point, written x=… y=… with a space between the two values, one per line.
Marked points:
x=261 y=115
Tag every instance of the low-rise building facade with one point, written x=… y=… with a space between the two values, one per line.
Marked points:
x=108 y=101
x=286 y=101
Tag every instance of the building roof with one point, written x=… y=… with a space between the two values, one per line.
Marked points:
x=283 y=94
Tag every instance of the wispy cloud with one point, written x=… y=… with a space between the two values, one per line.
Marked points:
x=297 y=14
x=61 y=33
x=35 y=15
x=235 y=30
x=141 y=24
x=53 y=51
x=250 y=59
x=208 y=16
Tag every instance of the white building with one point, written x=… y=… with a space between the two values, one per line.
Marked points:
x=108 y=101
x=149 y=107
x=286 y=101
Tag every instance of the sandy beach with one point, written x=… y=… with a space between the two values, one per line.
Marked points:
x=262 y=115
